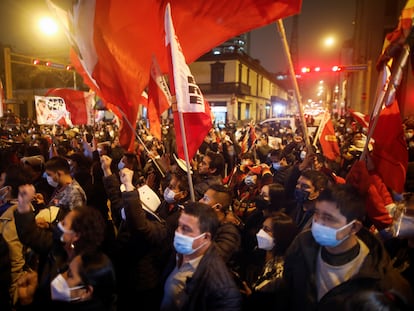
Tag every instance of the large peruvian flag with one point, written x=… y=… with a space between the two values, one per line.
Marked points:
x=114 y=41
x=190 y=102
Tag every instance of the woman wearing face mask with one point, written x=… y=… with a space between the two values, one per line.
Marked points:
x=264 y=291
x=82 y=229
x=88 y=284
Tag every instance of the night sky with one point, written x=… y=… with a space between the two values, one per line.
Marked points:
x=318 y=19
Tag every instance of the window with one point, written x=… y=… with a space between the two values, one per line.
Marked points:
x=217 y=73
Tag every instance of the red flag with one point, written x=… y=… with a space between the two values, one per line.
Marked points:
x=328 y=141
x=361 y=118
x=190 y=102
x=113 y=41
x=79 y=104
x=390 y=150
x=159 y=98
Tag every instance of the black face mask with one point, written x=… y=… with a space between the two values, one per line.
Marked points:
x=261 y=203
x=301 y=196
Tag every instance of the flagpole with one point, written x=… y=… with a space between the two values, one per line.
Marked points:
x=386 y=92
x=187 y=160
x=142 y=143
x=282 y=33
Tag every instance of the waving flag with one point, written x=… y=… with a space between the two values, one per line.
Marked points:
x=113 y=41
x=190 y=102
x=361 y=118
x=327 y=138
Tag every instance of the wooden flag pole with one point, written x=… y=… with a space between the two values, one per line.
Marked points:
x=292 y=74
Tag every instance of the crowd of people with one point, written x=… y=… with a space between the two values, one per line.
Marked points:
x=266 y=222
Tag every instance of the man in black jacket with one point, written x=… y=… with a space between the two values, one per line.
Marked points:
x=200 y=279
x=337 y=258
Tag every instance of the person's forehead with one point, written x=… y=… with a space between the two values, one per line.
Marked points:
x=189 y=221
x=328 y=208
x=210 y=194
x=304 y=180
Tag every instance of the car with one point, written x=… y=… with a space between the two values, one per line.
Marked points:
x=280 y=122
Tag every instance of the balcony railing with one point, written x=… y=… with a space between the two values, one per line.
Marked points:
x=225 y=88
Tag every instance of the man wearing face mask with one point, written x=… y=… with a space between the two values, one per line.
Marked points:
x=308 y=187
x=338 y=257
x=198 y=277
x=68 y=193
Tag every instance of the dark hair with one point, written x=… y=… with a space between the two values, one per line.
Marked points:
x=15 y=177
x=347 y=199
x=182 y=182
x=58 y=163
x=223 y=195
x=284 y=231
x=217 y=162
x=277 y=196
x=96 y=269
x=318 y=179
x=207 y=217
x=132 y=161
x=89 y=223
x=373 y=300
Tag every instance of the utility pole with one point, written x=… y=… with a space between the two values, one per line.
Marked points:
x=8 y=73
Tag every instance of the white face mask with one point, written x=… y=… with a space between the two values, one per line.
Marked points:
x=169 y=195
x=264 y=240
x=60 y=289
x=51 y=182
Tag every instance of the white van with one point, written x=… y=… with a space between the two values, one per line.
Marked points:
x=282 y=121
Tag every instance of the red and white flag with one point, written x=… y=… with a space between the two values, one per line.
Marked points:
x=159 y=98
x=327 y=138
x=190 y=102
x=361 y=118
x=78 y=104
x=113 y=41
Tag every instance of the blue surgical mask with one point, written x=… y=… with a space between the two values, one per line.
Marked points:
x=326 y=236
x=264 y=240
x=184 y=244
x=169 y=195
x=51 y=182
x=121 y=165
x=276 y=166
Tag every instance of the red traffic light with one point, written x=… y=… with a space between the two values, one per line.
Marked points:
x=36 y=62
x=69 y=67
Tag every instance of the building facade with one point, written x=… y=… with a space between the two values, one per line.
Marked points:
x=239 y=88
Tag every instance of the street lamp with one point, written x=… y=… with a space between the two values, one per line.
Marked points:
x=48 y=26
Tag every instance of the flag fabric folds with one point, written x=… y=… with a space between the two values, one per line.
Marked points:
x=79 y=104
x=389 y=154
x=159 y=98
x=359 y=117
x=327 y=139
x=113 y=41
x=190 y=103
